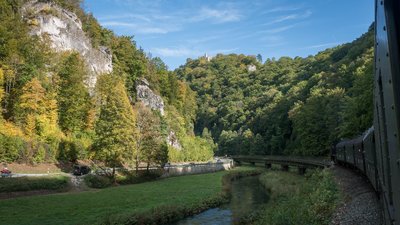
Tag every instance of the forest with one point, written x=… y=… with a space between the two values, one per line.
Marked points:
x=231 y=104
x=286 y=106
x=48 y=113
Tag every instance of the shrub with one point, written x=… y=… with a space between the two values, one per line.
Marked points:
x=33 y=183
x=311 y=201
x=10 y=147
x=97 y=181
x=130 y=177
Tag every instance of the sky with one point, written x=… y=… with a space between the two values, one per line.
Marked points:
x=175 y=30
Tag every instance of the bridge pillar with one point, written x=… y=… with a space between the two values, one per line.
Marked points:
x=268 y=165
x=285 y=167
x=253 y=163
x=301 y=170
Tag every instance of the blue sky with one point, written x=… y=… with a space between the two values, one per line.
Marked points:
x=176 y=30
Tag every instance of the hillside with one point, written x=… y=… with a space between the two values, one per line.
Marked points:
x=73 y=90
x=287 y=106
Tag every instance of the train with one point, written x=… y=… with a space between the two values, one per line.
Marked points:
x=376 y=153
x=361 y=154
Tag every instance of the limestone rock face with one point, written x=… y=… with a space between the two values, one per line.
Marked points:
x=173 y=141
x=148 y=97
x=64 y=30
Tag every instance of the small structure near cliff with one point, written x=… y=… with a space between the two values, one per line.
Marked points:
x=148 y=97
x=64 y=29
x=251 y=68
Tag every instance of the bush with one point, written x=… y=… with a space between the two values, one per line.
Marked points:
x=33 y=183
x=10 y=147
x=130 y=177
x=97 y=181
x=311 y=201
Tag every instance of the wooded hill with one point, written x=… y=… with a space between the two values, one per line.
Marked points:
x=295 y=106
x=287 y=106
x=49 y=114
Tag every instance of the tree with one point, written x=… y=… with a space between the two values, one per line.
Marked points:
x=1 y=94
x=31 y=105
x=115 y=127
x=259 y=58
x=74 y=102
x=128 y=62
x=316 y=121
x=148 y=140
x=37 y=115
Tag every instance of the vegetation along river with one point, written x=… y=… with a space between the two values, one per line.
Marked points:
x=248 y=195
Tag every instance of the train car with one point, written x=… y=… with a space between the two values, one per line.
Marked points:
x=359 y=154
x=380 y=145
x=340 y=153
x=387 y=106
x=349 y=149
x=370 y=158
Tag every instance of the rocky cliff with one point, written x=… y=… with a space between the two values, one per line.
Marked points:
x=155 y=102
x=148 y=97
x=64 y=29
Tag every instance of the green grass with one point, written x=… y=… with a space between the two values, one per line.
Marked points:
x=280 y=183
x=297 y=200
x=96 y=206
x=33 y=183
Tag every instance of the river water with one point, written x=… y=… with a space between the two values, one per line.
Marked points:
x=248 y=195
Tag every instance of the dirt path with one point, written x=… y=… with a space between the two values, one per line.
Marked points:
x=361 y=205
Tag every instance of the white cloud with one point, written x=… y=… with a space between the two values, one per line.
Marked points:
x=176 y=52
x=282 y=9
x=290 y=17
x=222 y=51
x=188 y=52
x=141 y=28
x=125 y=16
x=204 y=39
x=279 y=29
x=321 y=45
x=218 y=15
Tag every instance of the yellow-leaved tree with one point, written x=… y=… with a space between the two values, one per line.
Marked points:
x=115 y=128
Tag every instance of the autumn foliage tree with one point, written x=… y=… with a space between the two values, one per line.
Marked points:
x=115 y=127
x=150 y=147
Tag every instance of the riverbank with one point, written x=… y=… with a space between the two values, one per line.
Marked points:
x=295 y=199
x=161 y=201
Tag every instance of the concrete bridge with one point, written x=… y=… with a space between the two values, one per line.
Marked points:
x=302 y=163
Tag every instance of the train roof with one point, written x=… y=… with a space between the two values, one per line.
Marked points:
x=368 y=133
x=354 y=141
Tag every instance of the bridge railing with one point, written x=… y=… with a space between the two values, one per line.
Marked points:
x=285 y=160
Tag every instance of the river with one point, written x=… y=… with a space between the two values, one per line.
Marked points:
x=248 y=195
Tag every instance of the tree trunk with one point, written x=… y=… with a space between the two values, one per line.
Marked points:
x=113 y=175
x=137 y=165
x=148 y=165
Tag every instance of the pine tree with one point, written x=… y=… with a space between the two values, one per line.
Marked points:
x=115 y=127
x=73 y=97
